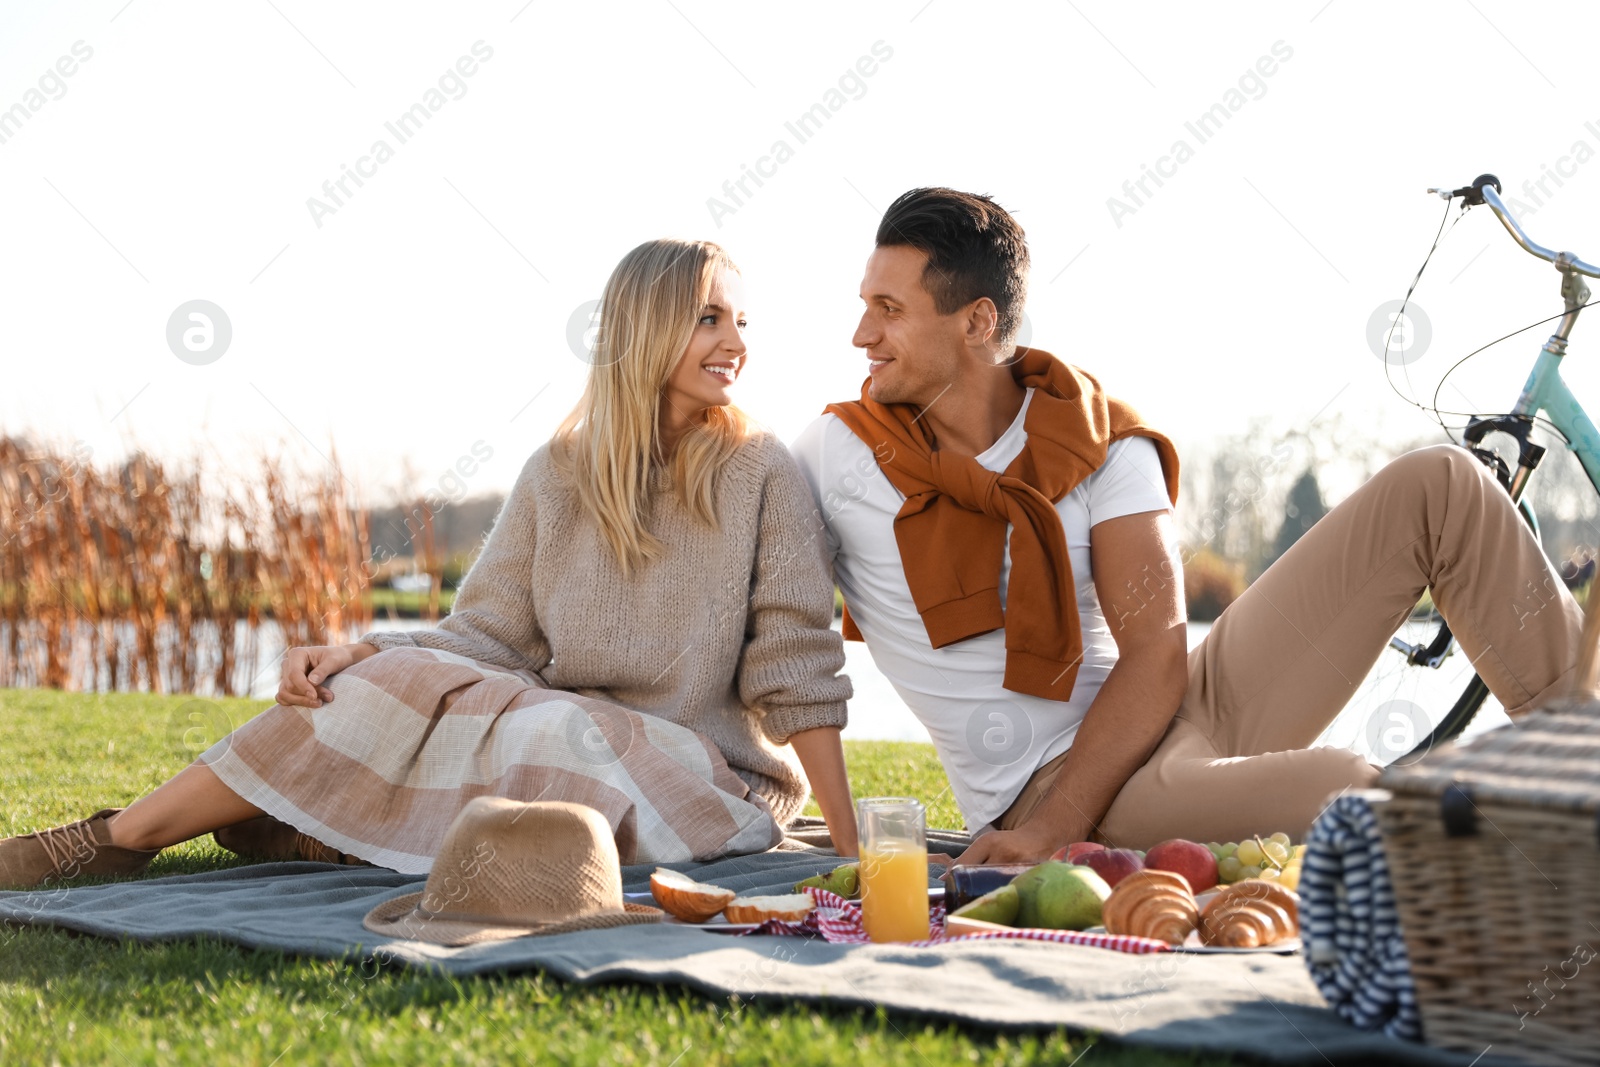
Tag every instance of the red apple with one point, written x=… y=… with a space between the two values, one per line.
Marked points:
x=1194 y=862
x=1073 y=852
x=1112 y=864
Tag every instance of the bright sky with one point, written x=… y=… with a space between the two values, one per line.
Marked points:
x=429 y=309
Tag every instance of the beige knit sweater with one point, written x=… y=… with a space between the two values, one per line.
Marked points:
x=727 y=634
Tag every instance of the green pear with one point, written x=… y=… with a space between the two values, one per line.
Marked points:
x=1060 y=896
x=999 y=906
x=844 y=880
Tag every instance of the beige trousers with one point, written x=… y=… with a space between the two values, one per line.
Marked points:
x=1282 y=660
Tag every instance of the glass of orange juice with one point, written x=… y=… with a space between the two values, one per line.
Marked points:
x=894 y=868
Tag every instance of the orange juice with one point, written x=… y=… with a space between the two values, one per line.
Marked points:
x=894 y=891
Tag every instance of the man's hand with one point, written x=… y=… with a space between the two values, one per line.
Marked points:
x=1025 y=844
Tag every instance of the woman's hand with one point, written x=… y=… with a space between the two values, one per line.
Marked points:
x=305 y=668
x=822 y=757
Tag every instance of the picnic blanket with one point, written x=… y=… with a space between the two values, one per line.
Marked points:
x=1262 y=1005
x=1352 y=933
x=383 y=770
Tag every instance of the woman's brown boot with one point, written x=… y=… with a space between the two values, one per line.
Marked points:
x=78 y=848
x=267 y=838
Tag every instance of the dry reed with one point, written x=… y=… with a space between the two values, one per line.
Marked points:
x=139 y=576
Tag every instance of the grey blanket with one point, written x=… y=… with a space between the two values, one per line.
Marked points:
x=1259 y=1005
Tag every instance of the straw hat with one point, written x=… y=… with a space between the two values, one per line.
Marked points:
x=509 y=869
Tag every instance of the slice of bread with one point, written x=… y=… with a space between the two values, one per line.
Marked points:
x=792 y=907
x=686 y=899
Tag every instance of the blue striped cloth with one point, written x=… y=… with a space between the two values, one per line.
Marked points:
x=1350 y=930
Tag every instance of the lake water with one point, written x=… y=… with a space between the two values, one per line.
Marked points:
x=1393 y=708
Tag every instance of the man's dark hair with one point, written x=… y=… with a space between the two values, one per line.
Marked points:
x=974 y=248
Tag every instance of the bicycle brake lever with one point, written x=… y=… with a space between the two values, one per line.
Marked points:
x=1471 y=195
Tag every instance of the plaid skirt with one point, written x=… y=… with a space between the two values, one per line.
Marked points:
x=382 y=769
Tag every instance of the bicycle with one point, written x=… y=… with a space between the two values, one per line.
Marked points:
x=1546 y=399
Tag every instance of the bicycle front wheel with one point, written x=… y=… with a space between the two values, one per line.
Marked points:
x=1402 y=709
x=1454 y=722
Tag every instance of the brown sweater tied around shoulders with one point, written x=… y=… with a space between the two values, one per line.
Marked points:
x=951 y=530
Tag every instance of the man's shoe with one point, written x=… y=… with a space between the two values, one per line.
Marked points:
x=82 y=847
x=266 y=838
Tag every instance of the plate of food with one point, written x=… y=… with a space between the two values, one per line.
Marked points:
x=1253 y=915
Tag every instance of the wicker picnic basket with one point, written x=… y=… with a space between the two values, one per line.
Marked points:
x=1495 y=860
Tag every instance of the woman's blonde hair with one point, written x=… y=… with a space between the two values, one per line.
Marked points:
x=610 y=443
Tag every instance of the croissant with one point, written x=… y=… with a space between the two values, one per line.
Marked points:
x=1152 y=903
x=1250 y=914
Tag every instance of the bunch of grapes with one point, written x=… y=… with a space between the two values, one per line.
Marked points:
x=1272 y=859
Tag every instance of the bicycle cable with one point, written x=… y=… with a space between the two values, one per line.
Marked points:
x=1388 y=368
x=1433 y=409
x=1537 y=418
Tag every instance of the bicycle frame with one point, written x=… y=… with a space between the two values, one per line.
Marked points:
x=1545 y=391
x=1548 y=392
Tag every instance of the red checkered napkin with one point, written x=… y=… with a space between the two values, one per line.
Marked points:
x=838 y=920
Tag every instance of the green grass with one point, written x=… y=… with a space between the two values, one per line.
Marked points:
x=899 y=769
x=409 y=605
x=66 y=999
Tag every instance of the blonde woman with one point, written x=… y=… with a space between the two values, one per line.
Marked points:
x=646 y=631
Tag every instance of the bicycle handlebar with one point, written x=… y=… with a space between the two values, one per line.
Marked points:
x=1485 y=189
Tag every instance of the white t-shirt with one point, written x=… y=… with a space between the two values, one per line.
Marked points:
x=989 y=738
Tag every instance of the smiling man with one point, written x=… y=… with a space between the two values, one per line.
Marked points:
x=1002 y=534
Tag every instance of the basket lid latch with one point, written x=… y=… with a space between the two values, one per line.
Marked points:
x=1459 y=813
